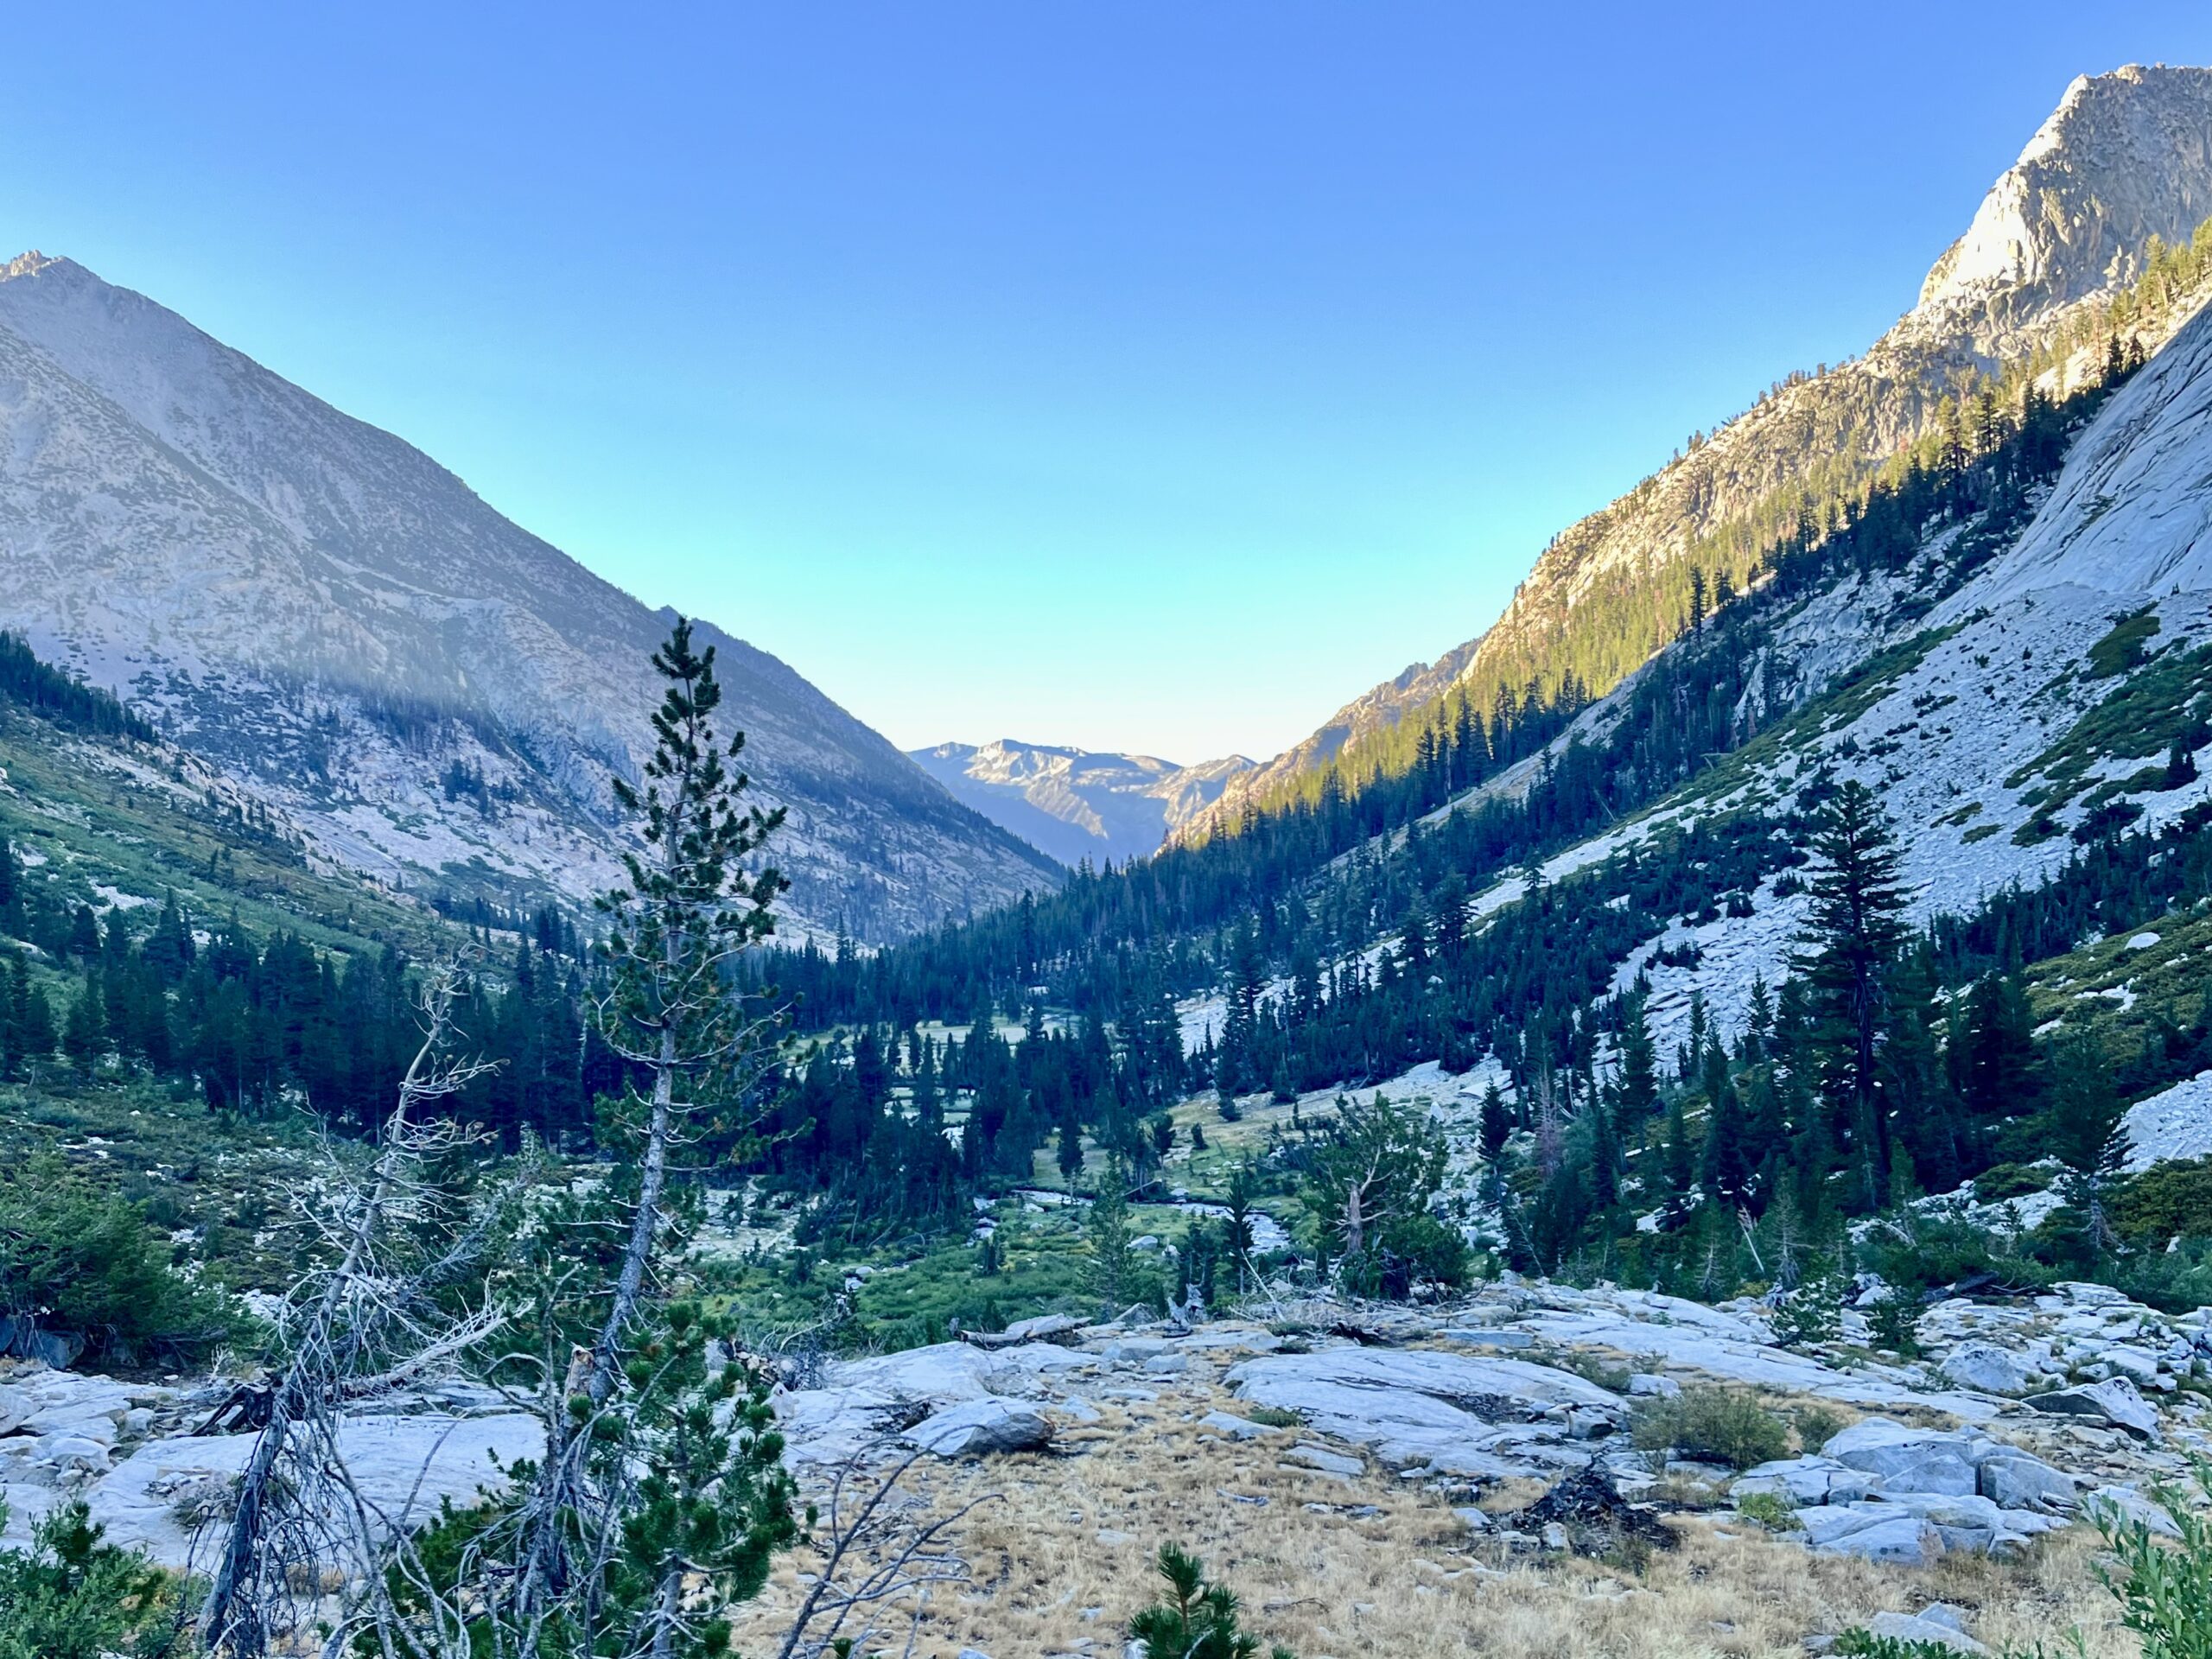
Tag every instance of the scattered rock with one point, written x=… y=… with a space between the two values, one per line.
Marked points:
x=2114 y=1401
x=1907 y=1460
x=1596 y=1519
x=1237 y=1428
x=977 y=1428
x=2127 y=1504
x=1910 y=1627
x=1989 y=1368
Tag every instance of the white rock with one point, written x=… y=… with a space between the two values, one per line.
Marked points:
x=1907 y=1627
x=2114 y=1400
x=396 y=1461
x=1906 y=1460
x=977 y=1429
x=1989 y=1368
x=2125 y=1503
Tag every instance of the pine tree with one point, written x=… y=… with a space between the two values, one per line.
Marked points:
x=1725 y=1169
x=688 y=909
x=2083 y=1130
x=1852 y=934
x=84 y=1034
x=1639 y=1085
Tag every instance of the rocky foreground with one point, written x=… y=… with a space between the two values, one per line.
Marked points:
x=1508 y=1418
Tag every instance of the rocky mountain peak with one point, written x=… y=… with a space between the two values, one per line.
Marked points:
x=2123 y=157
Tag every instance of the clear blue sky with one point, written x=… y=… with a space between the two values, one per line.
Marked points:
x=1138 y=376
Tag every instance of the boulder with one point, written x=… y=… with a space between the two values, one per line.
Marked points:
x=1906 y=1460
x=1918 y=1627
x=2013 y=1480
x=977 y=1429
x=2138 y=1366
x=403 y=1465
x=1988 y=1369
x=2114 y=1401
x=2125 y=1504
x=1807 y=1481
x=1237 y=1428
x=1876 y=1532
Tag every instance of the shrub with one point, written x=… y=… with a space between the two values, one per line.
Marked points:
x=71 y=1596
x=1770 y=1509
x=1864 y=1644
x=1894 y=1323
x=85 y=1262
x=2164 y=1200
x=1811 y=1313
x=1711 y=1424
x=2002 y=1181
x=2164 y=1590
x=1196 y=1620
x=1817 y=1425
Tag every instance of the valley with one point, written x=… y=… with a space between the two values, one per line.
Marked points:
x=1683 y=1127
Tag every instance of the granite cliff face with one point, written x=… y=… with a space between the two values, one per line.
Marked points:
x=435 y=695
x=2126 y=156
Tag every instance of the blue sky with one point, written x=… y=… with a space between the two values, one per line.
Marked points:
x=1141 y=376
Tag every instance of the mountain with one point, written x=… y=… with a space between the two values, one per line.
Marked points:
x=433 y=695
x=2126 y=157
x=1079 y=803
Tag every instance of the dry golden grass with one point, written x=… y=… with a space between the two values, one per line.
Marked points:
x=1408 y=1580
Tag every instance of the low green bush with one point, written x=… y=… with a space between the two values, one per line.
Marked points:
x=86 y=1263
x=2002 y=1181
x=1711 y=1425
x=73 y=1596
x=1770 y=1510
x=2165 y=1200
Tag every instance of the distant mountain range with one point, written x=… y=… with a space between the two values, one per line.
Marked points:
x=2126 y=158
x=1079 y=803
x=434 y=696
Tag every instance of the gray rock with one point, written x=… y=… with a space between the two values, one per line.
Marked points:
x=1807 y=1480
x=1237 y=1428
x=1899 y=1539
x=1908 y=1627
x=977 y=1429
x=1988 y=1369
x=1649 y=1385
x=2139 y=1364
x=1906 y=1460
x=2125 y=1504
x=1320 y=1457
x=2114 y=1400
x=395 y=1461
x=2013 y=1480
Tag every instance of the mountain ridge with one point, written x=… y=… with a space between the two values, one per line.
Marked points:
x=1812 y=440
x=1077 y=804
x=436 y=696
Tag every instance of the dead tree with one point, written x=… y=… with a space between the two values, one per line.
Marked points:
x=370 y=1327
x=881 y=1558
